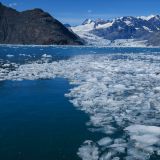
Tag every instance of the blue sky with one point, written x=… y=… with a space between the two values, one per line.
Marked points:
x=75 y=11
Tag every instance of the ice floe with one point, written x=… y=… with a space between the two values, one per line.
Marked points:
x=46 y=56
x=9 y=55
x=120 y=93
x=89 y=151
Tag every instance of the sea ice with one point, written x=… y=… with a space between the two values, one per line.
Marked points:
x=119 y=92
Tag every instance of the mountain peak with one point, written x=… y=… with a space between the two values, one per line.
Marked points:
x=157 y=17
x=33 y=27
x=128 y=27
x=100 y=21
x=1 y=5
x=88 y=21
x=147 y=17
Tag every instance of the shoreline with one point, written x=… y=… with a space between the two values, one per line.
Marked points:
x=77 y=46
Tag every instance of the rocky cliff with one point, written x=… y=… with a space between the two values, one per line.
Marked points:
x=33 y=27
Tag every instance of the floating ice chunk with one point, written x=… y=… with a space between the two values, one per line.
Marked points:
x=157 y=89
x=135 y=154
x=116 y=145
x=119 y=149
x=106 y=156
x=116 y=158
x=9 y=55
x=46 y=56
x=105 y=141
x=88 y=151
x=119 y=88
x=142 y=129
x=146 y=139
x=22 y=54
x=6 y=65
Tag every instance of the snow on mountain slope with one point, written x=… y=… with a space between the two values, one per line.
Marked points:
x=91 y=39
x=89 y=25
x=128 y=43
x=86 y=27
x=83 y=32
x=106 y=25
x=123 y=31
x=146 y=17
x=148 y=29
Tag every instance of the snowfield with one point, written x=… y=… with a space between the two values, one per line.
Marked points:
x=127 y=31
x=119 y=92
x=84 y=31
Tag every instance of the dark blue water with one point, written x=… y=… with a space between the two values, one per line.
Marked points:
x=37 y=122
x=58 y=53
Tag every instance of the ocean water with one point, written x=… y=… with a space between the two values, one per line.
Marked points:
x=72 y=103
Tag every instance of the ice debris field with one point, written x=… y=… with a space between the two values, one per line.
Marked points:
x=120 y=93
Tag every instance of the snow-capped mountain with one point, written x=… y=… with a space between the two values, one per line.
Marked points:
x=143 y=30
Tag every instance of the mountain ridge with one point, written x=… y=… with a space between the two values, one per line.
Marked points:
x=33 y=27
x=142 y=28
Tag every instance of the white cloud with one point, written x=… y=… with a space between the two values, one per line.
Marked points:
x=89 y=11
x=13 y=4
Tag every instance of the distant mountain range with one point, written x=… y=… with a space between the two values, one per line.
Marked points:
x=138 y=31
x=33 y=27
x=38 y=27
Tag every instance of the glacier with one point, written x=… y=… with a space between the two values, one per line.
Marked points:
x=127 y=31
x=84 y=31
